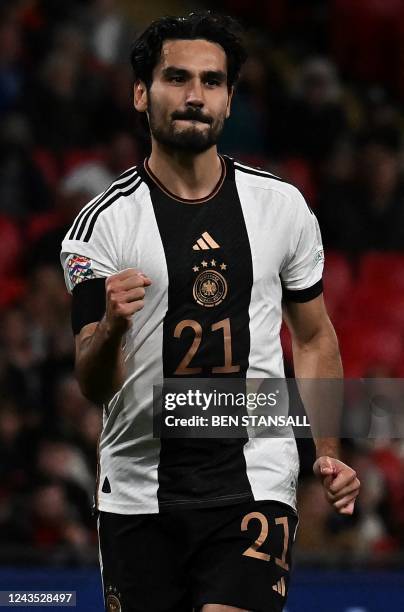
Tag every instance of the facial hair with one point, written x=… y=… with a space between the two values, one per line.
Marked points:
x=188 y=139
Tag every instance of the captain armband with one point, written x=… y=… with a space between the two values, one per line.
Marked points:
x=88 y=303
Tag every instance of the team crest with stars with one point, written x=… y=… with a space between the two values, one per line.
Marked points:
x=112 y=600
x=210 y=286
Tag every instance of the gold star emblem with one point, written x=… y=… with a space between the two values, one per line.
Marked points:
x=204 y=263
x=213 y=263
x=223 y=266
x=195 y=269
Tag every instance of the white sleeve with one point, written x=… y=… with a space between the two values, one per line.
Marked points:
x=302 y=270
x=89 y=257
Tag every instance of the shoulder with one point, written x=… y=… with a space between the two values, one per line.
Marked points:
x=103 y=208
x=260 y=179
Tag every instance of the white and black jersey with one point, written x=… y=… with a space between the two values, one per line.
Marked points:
x=219 y=268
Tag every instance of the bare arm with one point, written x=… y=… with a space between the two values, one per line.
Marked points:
x=99 y=366
x=99 y=363
x=316 y=356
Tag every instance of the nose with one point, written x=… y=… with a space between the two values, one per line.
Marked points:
x=194 y=96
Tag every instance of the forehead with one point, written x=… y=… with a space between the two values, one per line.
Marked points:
x=194 y=55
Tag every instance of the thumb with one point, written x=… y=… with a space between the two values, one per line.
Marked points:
x=146 y=279
x=324 y=466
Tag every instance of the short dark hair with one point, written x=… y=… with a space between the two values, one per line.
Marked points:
x=220 y=29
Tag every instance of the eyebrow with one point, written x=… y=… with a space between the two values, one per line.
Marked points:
x=218 y=75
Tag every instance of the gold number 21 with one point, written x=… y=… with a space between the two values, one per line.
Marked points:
x=252 y=551
x=183 y=367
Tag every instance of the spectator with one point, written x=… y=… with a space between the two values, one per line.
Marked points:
x=366 y=211
x=11 y=72
x=315 y=120
x=23 y=190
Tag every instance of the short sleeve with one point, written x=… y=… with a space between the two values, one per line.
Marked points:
x=89 y=256
x=301 y=274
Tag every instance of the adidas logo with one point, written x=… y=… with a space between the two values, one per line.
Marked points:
x=205 y=242
x=280 y=587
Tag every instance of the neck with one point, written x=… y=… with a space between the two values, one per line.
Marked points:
x=186 y=175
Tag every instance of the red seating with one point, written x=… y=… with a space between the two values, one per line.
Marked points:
x=365 y=346
x=75 y=157
x=338 y=283
x=48 y=166
x=383 y=269
x=379 y=306
x=367 y=312
x=298 y=172
x=40 y=224
x=11 y=246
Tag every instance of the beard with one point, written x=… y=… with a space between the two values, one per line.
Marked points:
x=191 y=138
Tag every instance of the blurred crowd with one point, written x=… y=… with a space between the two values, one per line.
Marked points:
x=319 y=103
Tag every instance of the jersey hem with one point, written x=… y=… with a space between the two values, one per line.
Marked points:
x=227 y=500
x=128 y=509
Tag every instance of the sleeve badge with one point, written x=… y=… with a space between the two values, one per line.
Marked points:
x=79 y=269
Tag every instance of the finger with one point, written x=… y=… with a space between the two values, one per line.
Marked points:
x=354 y=486
x=327 y=480
x=127 y=284
x=345 y=477
x=341 y=503
x=127 y=273
x=147 y=280
x=117 y=301
x=324 y=466
x=130 y=282
x=348 y=509
x=126 y=310
x=130 y=273
x=132 y=295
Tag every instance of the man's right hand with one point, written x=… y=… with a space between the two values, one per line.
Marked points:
x=125 y=294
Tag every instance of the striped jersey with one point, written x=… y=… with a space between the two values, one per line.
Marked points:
x=220 y=267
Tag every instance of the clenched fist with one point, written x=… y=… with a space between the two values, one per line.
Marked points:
x=341 y=485
x=125 y=294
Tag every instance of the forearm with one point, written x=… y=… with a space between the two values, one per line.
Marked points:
x=99 y=364
x=318 y=368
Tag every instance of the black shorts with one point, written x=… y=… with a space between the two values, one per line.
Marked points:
x=177 y=561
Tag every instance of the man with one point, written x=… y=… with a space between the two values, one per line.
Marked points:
x=178 y=270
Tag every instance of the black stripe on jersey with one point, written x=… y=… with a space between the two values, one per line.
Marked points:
x=303 y=295
x=87 y=210
x=194 y=472
x=257 y=172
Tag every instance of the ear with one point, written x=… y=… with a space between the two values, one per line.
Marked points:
x=231 y=92
x=140 y=96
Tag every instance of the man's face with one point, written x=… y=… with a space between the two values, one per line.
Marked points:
x=188 y=100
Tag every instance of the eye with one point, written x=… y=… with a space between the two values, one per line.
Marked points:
x=176 y=79
x=212 y=82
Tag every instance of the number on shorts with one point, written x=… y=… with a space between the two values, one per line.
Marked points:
x=283 y=520
x=252 y=551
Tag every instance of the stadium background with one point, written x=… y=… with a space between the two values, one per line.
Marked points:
x=320 y=103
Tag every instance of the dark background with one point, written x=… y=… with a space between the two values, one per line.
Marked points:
x=320 y=104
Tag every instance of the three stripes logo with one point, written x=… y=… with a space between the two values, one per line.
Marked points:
x=280 y=587
x=125 y=185
x=210 y=286
x=205 y=242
